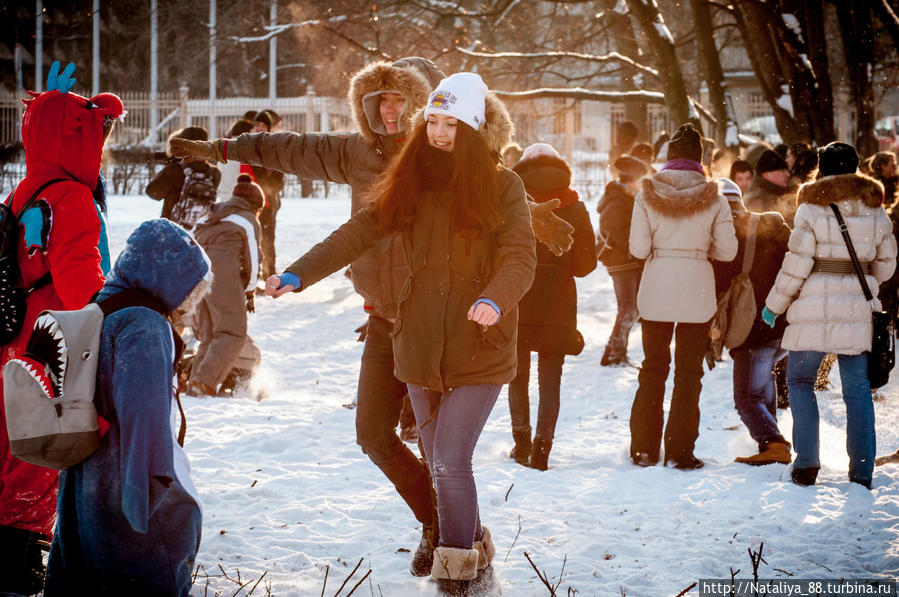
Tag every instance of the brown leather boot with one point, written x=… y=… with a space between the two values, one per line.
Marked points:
x=774 y=453
x=540 y=453
x=423 y=558
x=521 y=453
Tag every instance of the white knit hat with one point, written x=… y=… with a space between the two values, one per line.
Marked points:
x=539 y=149
x=730 y=189
x=461 y=96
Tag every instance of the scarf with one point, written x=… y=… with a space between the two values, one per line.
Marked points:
x=683 y=164
x=567 y=196
x=435 y=166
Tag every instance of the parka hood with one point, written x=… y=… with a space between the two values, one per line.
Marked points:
x=679 y=193
x=544 y=173
x=63 y=134
x=411 y=77
x=498 y=128
x=841 y=187
x=161 y=259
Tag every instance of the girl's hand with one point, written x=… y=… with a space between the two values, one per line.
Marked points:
x=274 y=288
x=483 y=314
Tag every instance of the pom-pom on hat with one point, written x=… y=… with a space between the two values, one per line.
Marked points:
x=540 y=149
x=685 y=143
x=730 y=189
x=837 y=158
x=770 y=161
x=461 y=96
x=250 y=191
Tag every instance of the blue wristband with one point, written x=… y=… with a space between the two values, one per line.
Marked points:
x=289 y=278
x=489 y=302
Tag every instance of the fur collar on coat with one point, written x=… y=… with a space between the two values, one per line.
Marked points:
x=679 y=193
x=841 y=187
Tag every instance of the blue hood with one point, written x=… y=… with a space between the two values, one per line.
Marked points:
x=161 y=259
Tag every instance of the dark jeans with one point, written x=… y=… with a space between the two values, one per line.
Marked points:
x=802 y=371
x=549 y=379
x=647 y=414
x=379 y=402
x=450 y=425
x=626 y=283
x=267 y=224
x=755 y=397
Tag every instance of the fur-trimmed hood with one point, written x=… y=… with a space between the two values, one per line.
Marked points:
x=498 y=127
x=544 y=173
x=679 y=193
x=841 y=187
x=412 y=77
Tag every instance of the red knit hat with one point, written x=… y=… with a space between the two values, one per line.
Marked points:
x=250 y=191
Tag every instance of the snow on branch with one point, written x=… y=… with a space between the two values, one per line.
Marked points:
x=650 y=97
x=274 y=30
x=604 y=58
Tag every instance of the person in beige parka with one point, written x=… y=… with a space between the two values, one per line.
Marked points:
x=825 y=306
x=680 y=221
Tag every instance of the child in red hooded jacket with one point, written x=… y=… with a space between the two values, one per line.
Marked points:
x=63 y=254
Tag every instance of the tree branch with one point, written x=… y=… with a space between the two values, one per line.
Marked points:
x=605 y=58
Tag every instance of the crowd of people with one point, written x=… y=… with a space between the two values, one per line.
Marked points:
x=465 y=249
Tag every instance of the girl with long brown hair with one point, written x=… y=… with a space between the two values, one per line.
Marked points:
x=465 y=228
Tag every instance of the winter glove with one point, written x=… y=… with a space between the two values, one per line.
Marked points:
x=362 y=330
x=197 y=150
x=251 y=301
x=550 y=229
x=768 y=317
x=62 y=83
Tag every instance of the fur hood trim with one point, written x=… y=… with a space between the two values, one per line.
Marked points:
x=544 y=173
x=841 y=187
x=384 y=76
x=679 y=193
x=498 y=127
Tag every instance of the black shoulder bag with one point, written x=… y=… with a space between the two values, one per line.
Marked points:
x=882 y=356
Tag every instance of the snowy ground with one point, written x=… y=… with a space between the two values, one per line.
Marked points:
x=288 y=493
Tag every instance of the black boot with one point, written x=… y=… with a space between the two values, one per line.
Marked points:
x=521 y=453
x=21 y=561
x=423 y=558
x=804 y=476
x=540 y=453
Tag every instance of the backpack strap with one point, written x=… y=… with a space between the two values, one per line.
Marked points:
x=47 y=278
x=132 y=297
x=749 y=254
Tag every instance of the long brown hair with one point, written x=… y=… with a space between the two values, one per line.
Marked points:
x=474 y=184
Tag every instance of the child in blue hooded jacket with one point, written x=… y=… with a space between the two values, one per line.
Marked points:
x=128 y=516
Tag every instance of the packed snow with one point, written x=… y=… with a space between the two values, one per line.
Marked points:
x=288 y=494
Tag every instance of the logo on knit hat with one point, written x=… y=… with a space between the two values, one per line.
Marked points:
x=442 y=100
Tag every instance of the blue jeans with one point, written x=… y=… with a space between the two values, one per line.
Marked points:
x=449 y=426
x=755 y=397
x=802 y=370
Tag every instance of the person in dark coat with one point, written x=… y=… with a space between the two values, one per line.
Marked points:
x=128 y=516
x=883 y=168
x=230 y=237
x=547 y=315
x=272 y=183
x=770 y=189
x=166 y=186
x=754 y=393
x=613 y=246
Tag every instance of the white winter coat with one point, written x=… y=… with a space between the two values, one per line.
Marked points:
x=828 y=312
x=680 y=221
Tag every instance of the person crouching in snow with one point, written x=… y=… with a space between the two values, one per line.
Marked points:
x=680 y=221
x=464 y=224
x=128 y=516
x=755 y=397
x=547 y=320
x=231 y=237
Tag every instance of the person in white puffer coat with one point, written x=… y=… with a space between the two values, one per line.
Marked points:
x=680 y=220
x=825 y=306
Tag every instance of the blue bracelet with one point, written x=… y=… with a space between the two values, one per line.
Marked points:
x=489 y=302
x=289 y=278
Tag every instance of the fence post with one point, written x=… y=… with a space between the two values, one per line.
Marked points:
x=182 y=108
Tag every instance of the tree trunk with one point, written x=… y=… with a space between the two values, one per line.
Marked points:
x=822 y=110
x=886 y=15
x=714 y=74
x=622 y=32
x=858 y=44
x=647 y=14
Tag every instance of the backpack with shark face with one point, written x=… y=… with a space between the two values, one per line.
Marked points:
x=49 y=391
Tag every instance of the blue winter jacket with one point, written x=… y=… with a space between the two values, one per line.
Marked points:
x=126 y=524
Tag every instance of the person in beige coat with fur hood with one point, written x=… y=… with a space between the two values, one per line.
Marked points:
x=825 y=306
x=680 y=221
